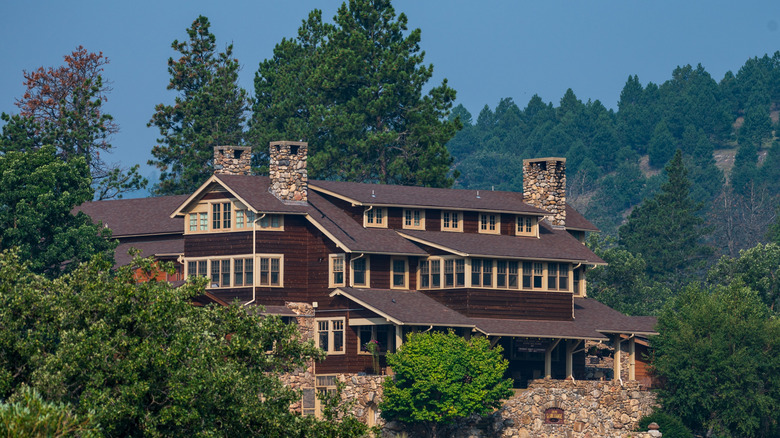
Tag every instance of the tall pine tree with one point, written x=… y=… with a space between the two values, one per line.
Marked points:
x=666 y=230
x=353 y=90
x=209 y=111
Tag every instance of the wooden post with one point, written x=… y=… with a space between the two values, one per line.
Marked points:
x=571 y=345
x=631 y=358
x=399 y=336
x=616 y=361
x=548 y=359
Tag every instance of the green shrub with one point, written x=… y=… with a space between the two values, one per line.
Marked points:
x=669 y=425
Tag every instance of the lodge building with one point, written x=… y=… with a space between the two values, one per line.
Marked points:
x=368 y=262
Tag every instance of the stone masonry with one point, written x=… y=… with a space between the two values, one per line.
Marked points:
x=544 y=186
x=232 y=160
x=289 y=178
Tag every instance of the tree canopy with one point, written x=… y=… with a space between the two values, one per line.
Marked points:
x=354 y=90
x=442 y=377
x=209 y=111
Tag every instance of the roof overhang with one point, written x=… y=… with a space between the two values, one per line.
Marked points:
x=214 y=179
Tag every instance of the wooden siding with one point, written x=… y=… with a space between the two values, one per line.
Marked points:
x=216 y=195
x=395 y=218
x=470 y=222
x=433 y=220
x=508 y=222
x=510 y=304
x=351 y=361
x=380 y=271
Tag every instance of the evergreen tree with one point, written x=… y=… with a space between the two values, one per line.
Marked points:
x=208 y=112
x=662 y=145
x=666 y=230
x=353 y=90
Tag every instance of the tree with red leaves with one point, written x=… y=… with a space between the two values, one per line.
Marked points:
x=63 y=106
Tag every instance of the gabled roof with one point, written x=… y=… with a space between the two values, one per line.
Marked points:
x=576 y=221
x=409 y=196
x=136 y=217
x=162 y=248
x=552 y=244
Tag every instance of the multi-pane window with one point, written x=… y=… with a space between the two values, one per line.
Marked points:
x=374 y=217
x=270 y=221
x=460 y=272
x=538 y=275
x=525 y=226
x=450 y=221
x=270 y=271
x=243 y=272
x=240 y=218
x=216 y=216
x=359 y=272
x=489 y=223
x=449 y=273
x=193 y=221
x=330 y=334
x=204 y=221
x=425 y=274
x=558 y=276
x=337 y=270
x=399 y=273
x=577 y=280
x=414 y=219
x=481 y=272
x=435 y=273
x=381 y=335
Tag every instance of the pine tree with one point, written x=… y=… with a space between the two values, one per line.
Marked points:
x=666 y=230
x=209 y=111
x=353 y=90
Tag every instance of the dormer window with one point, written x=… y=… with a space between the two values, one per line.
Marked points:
x=490 y=223
x=526 y=226
x=451 y=221
x=414 y=219
x=375 y=217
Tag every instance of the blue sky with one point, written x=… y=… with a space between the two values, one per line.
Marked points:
x=487 y=50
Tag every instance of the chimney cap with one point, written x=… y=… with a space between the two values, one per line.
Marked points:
x=543 y=160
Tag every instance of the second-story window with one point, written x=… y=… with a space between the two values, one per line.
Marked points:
x=336 y=270
x=374 y=217
x=216 y=216
x=399 y=276
x=360 y=272
x=414 y=219
x=489 y=223
x=526 y=226
x=271 y=222
x=450 y=221
x=330 y=333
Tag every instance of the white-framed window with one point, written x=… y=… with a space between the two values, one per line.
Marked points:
x=375 y=217
x=414 y=219
x=481 y=273
x=451 y=220
x=360 y=272
x=271 y=222
x=336 y=270
x=237 y=271
x=449 y=272
x=490 y=223
x=578 y=281
x=381 y=335
x=330 y=335
x=399 y=278
x=526 y=226
x=507 y=274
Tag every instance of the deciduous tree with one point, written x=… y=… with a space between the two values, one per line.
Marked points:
x=354 y=90
x=209 y=111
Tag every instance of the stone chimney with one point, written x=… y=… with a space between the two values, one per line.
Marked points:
x=232 y=160
x=289 y=178
x=544 y=186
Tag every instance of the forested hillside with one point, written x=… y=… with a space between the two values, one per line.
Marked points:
x=615 y=159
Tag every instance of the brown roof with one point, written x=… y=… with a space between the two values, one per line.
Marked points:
x=388 y=195
x=405 y=307
x=136 y=217
x=552 y=244
x=174 y=245
x=353 y=235
x=254 y=190
x=576 y=221
x=641 y=325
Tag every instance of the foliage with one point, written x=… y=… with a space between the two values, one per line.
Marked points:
x=146 y=361
x=665 y=229
x=757 y=268
x=39 y=192
x=27 y=414
x=353 y=90
x=64 y=106
x=718 y=356
x=441 y=377
x=209 y=111
x=669 y=425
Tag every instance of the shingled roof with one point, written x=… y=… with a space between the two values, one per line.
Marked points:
x=136 y=217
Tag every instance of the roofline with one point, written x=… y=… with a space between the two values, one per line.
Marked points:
x=327 y=234
x=118 y=236
x=592 y=230
x=341 y=292
x=431 y=244
x=515 y=335
x=633 y=332
x=355 y=202
x=539 y=160
x=196 y=193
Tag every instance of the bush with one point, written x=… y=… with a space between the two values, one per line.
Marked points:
x=669 y=425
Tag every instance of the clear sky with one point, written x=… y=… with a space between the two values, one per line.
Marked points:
x=487 y=49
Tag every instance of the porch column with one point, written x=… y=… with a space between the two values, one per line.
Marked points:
x=631 y=358
x=616 y=362
x=571 y=345
x=399 y=336
x=548 y=359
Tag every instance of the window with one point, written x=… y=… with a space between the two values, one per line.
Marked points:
x=216 y=216
x=526 y=226
x=243 y=272
x=360 y=277
x=374 y=217
x=240 y=218
x=399 y=277
x=382 y=335
x=538 y=275
x=490 y=223
x=435 y=273
x=204 y=221
x=558 y=276
x=330 y=333
x=336 y=270
x=271 y=222
x=481 y=272
x=450 y=221
x=460 y=272
x=431 y=273
x=414 y=219
x=578 y=278
x=425 y=274
x=193 y=221
x=226 y=214
x=270 y=271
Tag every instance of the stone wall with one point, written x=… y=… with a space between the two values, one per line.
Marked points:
x=232 y=160
x=287 y=169
x=544 y=186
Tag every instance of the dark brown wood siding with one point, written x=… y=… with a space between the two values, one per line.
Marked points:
x=351 y=361
x=470 y=222
x=511 y=304
x=433 y=220
x=508 y=224
x=380 y=271
x=395 y=218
